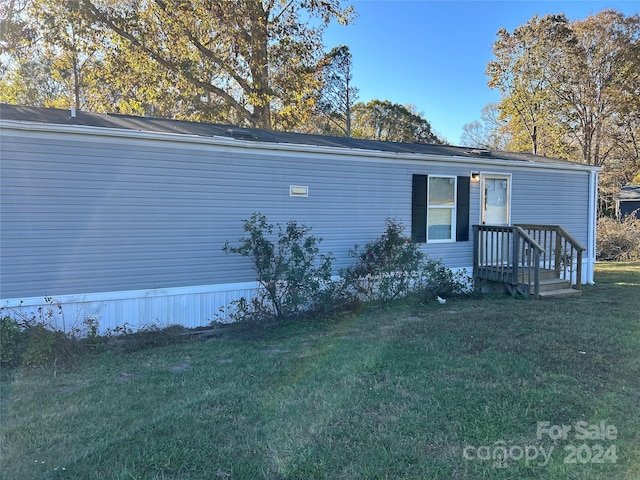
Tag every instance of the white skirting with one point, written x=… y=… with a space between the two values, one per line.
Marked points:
x=134 y=309
x=191 y=307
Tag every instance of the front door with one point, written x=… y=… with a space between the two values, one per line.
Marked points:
x=496 y=199
x=496 y=210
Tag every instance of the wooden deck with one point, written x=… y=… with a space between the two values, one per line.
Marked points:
x=536 y=261
x=549 y=285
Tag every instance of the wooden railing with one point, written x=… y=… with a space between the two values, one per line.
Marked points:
x=516 y=255
x=563 y=253
x=508 y=255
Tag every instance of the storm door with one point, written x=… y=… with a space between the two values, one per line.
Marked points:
x=496 y=211
x=496 y=199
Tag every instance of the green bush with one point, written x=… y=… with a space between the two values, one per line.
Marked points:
x=444 y=282
x=386 y=268
x=392 y=267
x=295 y=278
x=618 y=240
x=12 y=342
x=34 y=345
x=291 y=272
x=49 y=348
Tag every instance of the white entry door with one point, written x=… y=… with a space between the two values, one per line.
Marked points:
x=496 y=210
x=496 y=199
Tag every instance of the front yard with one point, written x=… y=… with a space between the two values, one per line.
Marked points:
x=483 y=387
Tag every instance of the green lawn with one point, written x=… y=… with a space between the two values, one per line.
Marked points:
x=410 y=390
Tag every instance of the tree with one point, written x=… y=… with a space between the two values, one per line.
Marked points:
x=489 y=133
x=521 y=71
x=581 y=79
x=337 y=95
x=16 y=34
x=133 y=85
x=597 y=83
x=72 y=41
x=48 y=48
x=392 y=122
x=256 y=57
x=253 y=62
x=569 y=87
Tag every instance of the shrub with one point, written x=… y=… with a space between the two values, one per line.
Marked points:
x=295 y=279
x=291 y=272
x=32 y=339
x=12 y=342
x=93 y=341
x=444 y=282
x=392 y=266
x=618 y=240
x=388 y=267
x=49 y=348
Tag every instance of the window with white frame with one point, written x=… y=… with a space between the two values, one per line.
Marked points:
x=442 y=205
x=441 y=209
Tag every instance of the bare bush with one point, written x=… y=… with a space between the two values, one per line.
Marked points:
x=618 y=240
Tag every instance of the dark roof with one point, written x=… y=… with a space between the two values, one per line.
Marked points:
x=164 y=125
x=629 y=193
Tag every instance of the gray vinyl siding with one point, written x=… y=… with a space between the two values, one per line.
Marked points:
x=552 y=198
x=83 y=214
x=86 y=213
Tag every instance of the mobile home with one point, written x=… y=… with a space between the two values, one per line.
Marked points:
x=122 y=219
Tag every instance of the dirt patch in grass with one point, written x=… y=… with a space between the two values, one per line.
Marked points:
x=180 y=368
x=125 y=377
x=274 y=351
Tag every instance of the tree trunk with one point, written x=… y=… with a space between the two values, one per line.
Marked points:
x=260 y=66
x=76 y=82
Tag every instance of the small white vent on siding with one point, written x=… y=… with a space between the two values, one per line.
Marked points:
x=298 y=191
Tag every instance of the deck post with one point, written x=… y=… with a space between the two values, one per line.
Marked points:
x=536 y=273
x=579 y=271
x=476 y=246
x=515 y=270
x=557 y=253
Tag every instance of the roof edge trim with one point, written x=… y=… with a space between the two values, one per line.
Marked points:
x=476 y=162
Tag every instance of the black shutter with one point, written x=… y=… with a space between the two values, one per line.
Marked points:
x=462 y=210
x=419 y=209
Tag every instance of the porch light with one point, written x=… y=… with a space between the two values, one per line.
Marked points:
x=475 y=176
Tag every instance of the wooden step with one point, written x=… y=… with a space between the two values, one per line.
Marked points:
x=545 y=274
x=561 y=293
x=552 y=284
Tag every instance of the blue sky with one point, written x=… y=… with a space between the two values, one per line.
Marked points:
x=433 y=54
